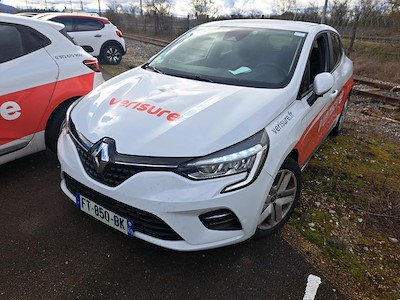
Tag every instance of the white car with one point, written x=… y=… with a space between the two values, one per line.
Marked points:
x=97 y=35
x=203 y=146
x=41 y=73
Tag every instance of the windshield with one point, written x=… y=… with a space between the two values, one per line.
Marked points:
x=251 y=57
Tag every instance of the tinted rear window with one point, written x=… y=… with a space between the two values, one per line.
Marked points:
x=79 y=23
x=66 y=21
x=18 y=40
x=87 y=24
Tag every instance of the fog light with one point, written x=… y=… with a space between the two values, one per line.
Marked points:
x=221 y=219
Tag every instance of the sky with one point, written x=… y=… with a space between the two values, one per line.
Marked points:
x=181 y=7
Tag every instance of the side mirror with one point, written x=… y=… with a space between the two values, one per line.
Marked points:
x=323 y=82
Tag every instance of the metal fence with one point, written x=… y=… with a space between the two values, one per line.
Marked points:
x=377 y=25
x=157 y=25
x=371 y=35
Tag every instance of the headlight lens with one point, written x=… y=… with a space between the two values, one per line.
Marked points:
x=247 y=156
x=71 y=130
x=229 y=164
x=68 y=115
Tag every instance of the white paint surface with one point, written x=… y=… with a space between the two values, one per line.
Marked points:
x=313 y=283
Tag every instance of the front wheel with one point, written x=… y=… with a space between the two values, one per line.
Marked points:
x=281 y=199
x=112 y=54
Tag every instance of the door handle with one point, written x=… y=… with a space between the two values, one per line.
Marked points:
x=334 y=94
x=97 y=35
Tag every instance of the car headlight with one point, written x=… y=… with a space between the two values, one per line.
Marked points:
x=247 y=156
x=71 y=130
x=68 y=115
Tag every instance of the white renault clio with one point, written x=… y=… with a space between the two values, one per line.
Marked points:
x=203 y=146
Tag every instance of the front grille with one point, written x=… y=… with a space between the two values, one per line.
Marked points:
x=113 y=174
x=143 y=221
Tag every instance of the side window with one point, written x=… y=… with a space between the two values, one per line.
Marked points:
x=317 y=63
x=66 y=21
x=337 y=51
x=10 y=43
x=18 y=40
x=87 y=24
x=32 y=39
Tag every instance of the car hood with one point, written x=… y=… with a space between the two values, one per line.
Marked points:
x=151 y=114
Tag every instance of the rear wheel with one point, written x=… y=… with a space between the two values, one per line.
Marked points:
x=112 y=54
x=53 y=127
x=281 y=199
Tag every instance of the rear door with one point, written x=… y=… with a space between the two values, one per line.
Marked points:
x=27 y=79
x=87 y=33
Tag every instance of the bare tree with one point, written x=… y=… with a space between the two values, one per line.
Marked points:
x=255 y=13
x=395 y=5
x=202 y=8
x=366 y=9
x=395 y=12
x=114 y=6
x=237 y=13
x=311 y=13
x=160 y=12
x=286 y=5
x=158 y=7
x=133 y=8
x=361 y=15
x=339 y=12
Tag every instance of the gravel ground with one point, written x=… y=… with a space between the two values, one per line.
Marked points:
x=375 y=117
x=137 y=53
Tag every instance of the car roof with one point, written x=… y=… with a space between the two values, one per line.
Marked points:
x=270 y=24
x=31 y=22
x=46 y=16
x=27 y=14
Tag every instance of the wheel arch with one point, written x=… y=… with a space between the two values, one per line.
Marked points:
x=49 y=128
x=294 y=154
x=110 y=42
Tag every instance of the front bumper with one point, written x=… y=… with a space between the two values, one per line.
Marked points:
x=177 y=201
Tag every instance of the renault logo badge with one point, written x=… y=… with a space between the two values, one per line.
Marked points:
x=101 y=157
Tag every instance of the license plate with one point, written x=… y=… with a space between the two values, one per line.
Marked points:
x=104 y=215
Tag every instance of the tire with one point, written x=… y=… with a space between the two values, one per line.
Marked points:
x=281 y=199
x=339 y=124
x=112 y=54
x=53 y=127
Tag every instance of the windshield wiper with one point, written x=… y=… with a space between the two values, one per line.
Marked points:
x=200 y=78
x=154 y=69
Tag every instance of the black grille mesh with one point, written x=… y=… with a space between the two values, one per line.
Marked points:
x=143 y=221
x=113 y=174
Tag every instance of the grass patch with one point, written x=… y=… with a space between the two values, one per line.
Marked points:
x=376 y=60
x=112 y=71
x=351 y=207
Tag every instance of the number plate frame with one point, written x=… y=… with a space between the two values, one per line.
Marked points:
x=104 y=215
